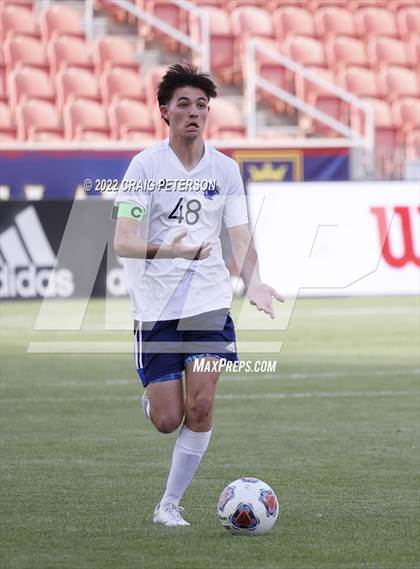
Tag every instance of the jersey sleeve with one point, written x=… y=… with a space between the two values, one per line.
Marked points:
x=235 y=211
x=133 y=188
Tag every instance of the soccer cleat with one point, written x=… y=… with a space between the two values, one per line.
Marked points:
x=169 y=515
x=145 y=403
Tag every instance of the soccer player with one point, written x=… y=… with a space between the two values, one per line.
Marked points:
x=171 y=205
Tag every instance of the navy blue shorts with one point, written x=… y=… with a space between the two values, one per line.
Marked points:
x=164 y=348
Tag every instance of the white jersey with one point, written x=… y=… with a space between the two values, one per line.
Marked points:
x=172 y=200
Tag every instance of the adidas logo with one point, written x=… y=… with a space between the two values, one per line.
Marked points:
x=27 y=261
x=231 y=347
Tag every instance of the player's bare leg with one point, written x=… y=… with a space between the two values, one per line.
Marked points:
x=166 y=401
x=191 y=444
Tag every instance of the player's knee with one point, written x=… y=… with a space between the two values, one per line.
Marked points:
x=167 y=424
x=199 y=409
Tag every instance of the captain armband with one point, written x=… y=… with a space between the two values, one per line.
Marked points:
x=129 y=210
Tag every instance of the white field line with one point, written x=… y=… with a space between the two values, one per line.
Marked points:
x=250 y=377
x=230 y=396
x=373 y=311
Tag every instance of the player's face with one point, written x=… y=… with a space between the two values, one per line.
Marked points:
x=187 y=112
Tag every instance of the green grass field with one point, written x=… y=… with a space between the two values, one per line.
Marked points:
x=334 y=432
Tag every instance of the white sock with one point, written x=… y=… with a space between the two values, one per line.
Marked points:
x=189 y=449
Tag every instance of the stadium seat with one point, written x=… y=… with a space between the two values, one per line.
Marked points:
x=359 y=4
x=169 y=13
x=3 y=82
x=222 y=41
x=408 y=20
x=309 y=91
x=251 y=21
x=69 y=51
x=359 y=81
x=343 y=51
x=293 y=21
x=27 y=4
x=26 y=51
x=122 y=83
x=413 y=51
x=304 y=50
x=38 y=121
x=334 y=21
x=386 y=135
x=375 y=21
x=85 y=120
x=74 y=82
x=224 y=120
x=398 y=82
x=152 y=80
x=406 y=113
x=7 y=125
x=383 y=51
x=131 y=120
x=59 y=20
x=111 y=51
x=29 y=83
x=16 y=20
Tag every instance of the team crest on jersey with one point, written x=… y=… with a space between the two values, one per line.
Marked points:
x=211 y=191
x=226 y=495
x=269 y=501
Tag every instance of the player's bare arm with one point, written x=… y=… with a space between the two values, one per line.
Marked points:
x=127 y=243
x=259 y=294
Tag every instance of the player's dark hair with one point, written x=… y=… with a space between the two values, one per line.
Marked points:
x=184 y=75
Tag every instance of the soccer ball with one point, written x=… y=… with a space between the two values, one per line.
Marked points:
x=248 y=506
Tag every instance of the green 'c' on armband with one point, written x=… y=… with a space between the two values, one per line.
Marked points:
x=132 y=211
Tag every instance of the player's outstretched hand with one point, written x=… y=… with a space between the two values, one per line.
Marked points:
x=178 y=249
x=261 y=296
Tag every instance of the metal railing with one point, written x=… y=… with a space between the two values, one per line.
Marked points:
x=254 y=81
x=203 y=48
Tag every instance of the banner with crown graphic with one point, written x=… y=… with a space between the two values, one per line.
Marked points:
x=62 y=174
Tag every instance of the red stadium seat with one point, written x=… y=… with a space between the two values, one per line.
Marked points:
x=131 y=120
x=24 y=50
x=399 y=82
x=16 y=20
x=59 y=20
x=386 y=134
x=413 y=51
x=38 y=120
x=343 y=51
x=375 y=21
x=304 y=50
x=111 y=51
x=293 y=21
x=74 y=82
x=384 y=51
x=335 y=21
x=27 y=4
x=406 y=113
x=408 y=20
x=169 y=13
x=29 y=83
x=85 y=120
x=248 y=20
x=224 y=120
x=121 y=83
x=222 y=41
x=359 y=81
x=7 y=125
x=309 y=91
x=68 y=51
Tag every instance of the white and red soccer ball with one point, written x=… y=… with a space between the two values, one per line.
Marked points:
x=248 y=506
